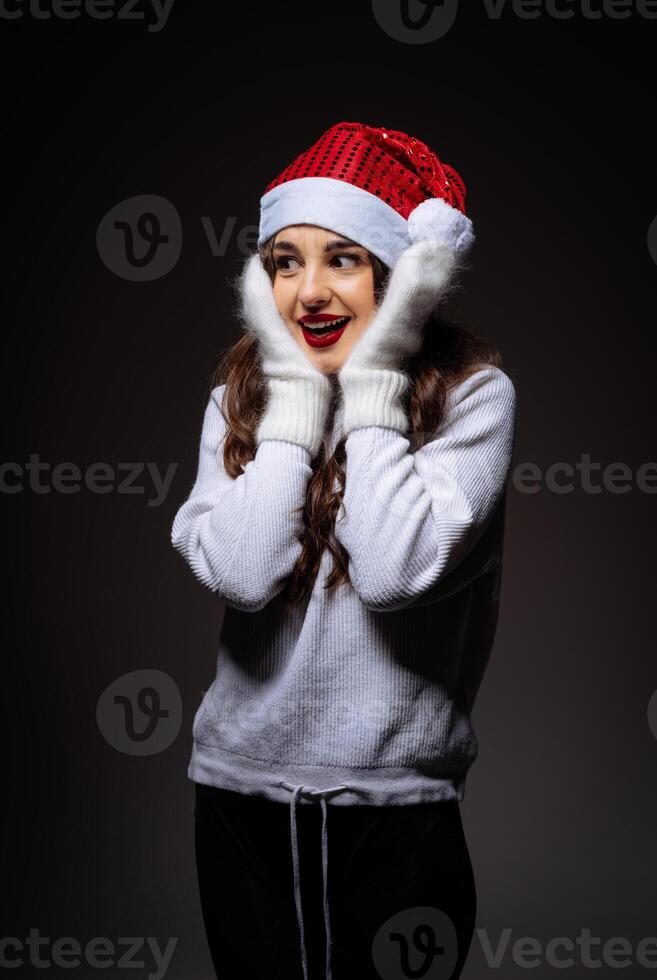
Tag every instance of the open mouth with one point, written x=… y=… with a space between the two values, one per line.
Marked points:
x=326 y=326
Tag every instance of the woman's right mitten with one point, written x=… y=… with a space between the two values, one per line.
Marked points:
x=298 y=395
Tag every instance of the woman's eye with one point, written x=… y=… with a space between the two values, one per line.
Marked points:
x=282 y=262
x=348 y=260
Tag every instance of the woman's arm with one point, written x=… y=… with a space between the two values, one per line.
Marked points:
x=412 y=522
x=241 y=537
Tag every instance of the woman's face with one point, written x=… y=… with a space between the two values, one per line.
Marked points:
x=322 y=277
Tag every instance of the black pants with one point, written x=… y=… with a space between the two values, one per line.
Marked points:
x=407 y=862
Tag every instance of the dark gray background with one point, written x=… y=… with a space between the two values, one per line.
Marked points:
x=551 y=124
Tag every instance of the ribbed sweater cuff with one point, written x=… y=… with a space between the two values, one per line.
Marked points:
x=296 y=411
x=373 y=397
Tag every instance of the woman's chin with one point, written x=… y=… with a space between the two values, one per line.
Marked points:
x=328 y=368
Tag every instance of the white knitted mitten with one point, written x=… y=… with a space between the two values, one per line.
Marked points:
x=371 y=380
x=298 y=395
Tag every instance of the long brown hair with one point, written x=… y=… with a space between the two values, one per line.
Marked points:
x=448 y=355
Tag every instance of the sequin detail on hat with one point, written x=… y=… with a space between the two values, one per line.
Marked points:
x=401 y=170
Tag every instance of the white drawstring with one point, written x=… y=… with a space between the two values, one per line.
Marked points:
x=311 y=792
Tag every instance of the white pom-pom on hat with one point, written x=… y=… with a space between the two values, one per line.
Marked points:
x=434 y=220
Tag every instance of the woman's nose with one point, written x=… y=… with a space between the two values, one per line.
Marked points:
x=314 y=289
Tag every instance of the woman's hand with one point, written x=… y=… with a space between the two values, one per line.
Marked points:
x=372 y=379
x=298 y=394
x=416 y=286
x=281 y=355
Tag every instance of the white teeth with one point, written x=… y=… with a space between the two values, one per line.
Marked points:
x=327 y=323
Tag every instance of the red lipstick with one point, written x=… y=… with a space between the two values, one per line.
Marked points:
x=323 y=329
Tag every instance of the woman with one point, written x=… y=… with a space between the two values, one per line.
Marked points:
x=349 y=510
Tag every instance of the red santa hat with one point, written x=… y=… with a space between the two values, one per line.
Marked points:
x=379 y=187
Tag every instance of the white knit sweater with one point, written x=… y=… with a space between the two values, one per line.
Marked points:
x=369 y=685
x=363 y=693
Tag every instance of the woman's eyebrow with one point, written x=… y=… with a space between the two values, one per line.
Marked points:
x=339 y=243
x=287 y=246
x=329 y=247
